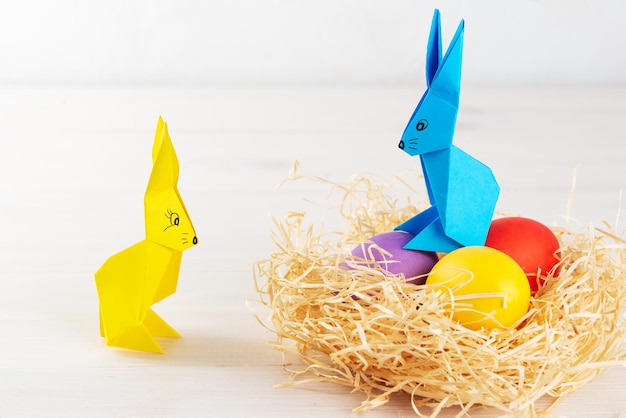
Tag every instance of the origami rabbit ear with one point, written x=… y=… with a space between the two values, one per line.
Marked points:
x=433 y=50
x=165 y=163
x=447 y=81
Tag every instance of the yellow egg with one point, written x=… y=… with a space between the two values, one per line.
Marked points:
x=489 y=288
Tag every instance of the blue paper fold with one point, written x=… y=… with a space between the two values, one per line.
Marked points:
x=462 y=191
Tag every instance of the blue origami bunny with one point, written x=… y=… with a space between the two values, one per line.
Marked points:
x=462 y=190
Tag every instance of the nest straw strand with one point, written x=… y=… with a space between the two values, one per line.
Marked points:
x=378 y=334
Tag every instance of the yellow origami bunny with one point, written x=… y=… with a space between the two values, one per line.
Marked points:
x=130 y=281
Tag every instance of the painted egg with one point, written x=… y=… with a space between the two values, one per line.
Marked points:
x=489 y=288
x=385 y=251
x=532 y=244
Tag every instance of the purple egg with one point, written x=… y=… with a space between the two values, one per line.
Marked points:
x=410 y=263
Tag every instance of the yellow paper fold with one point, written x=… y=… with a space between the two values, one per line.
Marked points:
x=134 y=279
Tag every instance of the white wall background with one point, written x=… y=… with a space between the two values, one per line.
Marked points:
x=306 y=41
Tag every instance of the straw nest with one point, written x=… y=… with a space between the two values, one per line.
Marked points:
x=374 y=332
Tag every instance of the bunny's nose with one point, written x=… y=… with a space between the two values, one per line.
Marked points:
x=401 y=144
x=194 y=240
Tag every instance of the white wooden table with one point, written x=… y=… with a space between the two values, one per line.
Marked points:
x=74 y=165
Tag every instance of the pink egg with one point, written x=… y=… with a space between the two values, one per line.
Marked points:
x=385 y=251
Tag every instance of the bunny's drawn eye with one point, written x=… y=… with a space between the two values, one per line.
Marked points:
x=421 y=124
x=173 y=217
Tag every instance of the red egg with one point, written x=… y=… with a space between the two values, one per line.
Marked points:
x=532 y=244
